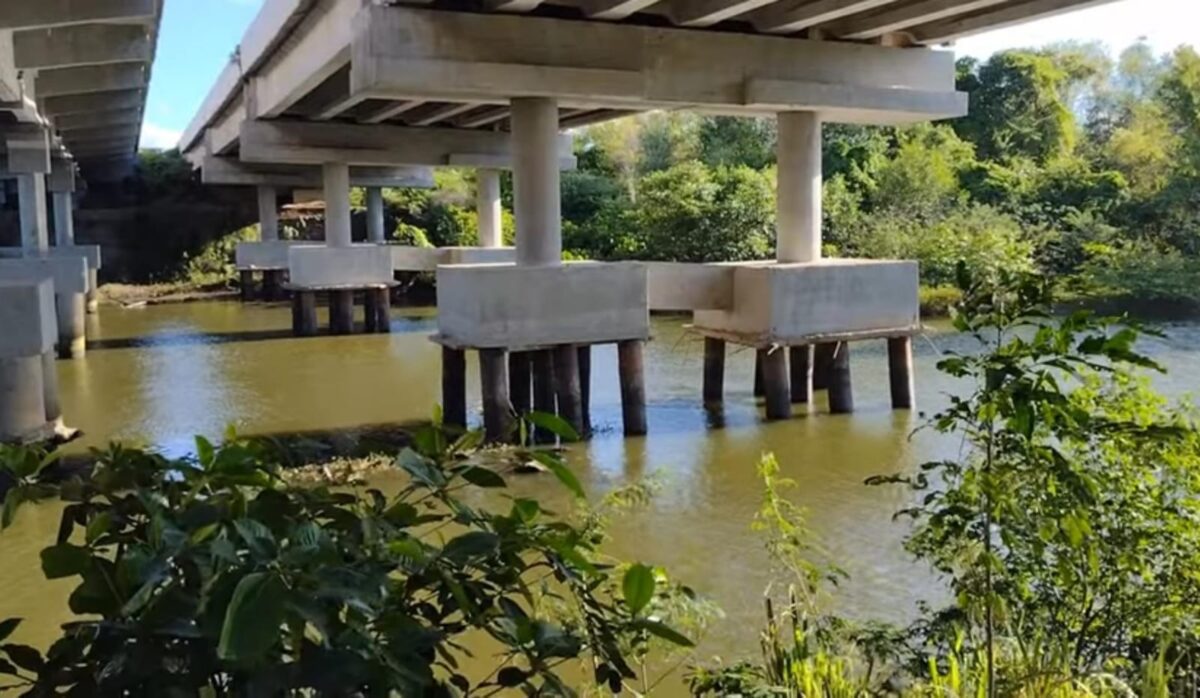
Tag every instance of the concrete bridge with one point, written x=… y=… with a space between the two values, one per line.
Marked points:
x=73 y=80
x=341 y=93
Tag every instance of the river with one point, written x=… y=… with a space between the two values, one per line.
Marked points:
x=158 y=375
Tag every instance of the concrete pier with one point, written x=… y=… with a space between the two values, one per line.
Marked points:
x=900 y=373
x=585 y=388
x=341 y=312
x=29 y=404
x=520 y=382
x=822 y=365
x=801 y=373
x=537 y=194
x=714 y=370
x=633 y=387
x=493 y=379
x=776 y=387
x=841 y=389
x=488 y=207
x=68 y=275
x=377 y=310
x=541 y=364
x=566 y=386
x=454 y=387
x=375 y=227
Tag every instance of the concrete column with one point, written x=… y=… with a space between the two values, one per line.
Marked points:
x=50 y=398
x=585 y=389
x=566 y=386
x=541 y=364
x=493 y=379
x=801 y=373
x=536 y=186
x=375 y=230
x=487 y=205
x=454 y=388
x=93 y=292
x=341 y=312
x=775 y=383
x=520 y=382
x=64 y=219
x=799 y=188
x=71 y=312
x=304 y=313
x=714 y=370
x=337 y=204
x=900 y=373
x=22 y=397
x=268 y=214
x=35 y=238
x=841 y=392
x=633 y=387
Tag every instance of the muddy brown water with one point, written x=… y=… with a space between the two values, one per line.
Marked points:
x=156 y=376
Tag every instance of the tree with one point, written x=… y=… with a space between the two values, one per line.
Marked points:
x=732 y=140
x=1017 y=107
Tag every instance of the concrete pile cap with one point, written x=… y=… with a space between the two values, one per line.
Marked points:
x=68 y=273
x=27 y=317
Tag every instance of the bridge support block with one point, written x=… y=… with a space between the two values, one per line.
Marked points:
x=493 y=378
x=900 y=372
x=633 y=386
x=454 y=388
x=841 y=391
x=775 y=383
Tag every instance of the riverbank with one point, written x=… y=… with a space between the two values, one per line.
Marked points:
x=134 y=295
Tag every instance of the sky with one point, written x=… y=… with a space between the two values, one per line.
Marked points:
x=199 y=36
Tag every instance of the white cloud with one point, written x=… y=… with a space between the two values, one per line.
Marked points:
x=159 y=137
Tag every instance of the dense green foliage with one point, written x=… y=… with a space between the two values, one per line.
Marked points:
x=1066 y=529
x=213 y=576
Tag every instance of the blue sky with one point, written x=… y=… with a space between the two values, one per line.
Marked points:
x=198 y=36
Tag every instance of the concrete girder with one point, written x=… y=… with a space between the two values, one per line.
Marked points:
x=228 y=171
x=74 y=122
x=93 y=102
x=614 y=9
x=402 y=52
x=89 y=44
x=320 y=48
x=702 y=13
x=28 y=150
x=109 y=148
x=101 y=133
x=894 y=19
x=998 y=18
x=512 y=5
x=59 y=82
x=391 y=111
x=484 y=118
x=796 y=15
x=444 y=113
x=10 y=85
x=56 y=13
x=299 y=143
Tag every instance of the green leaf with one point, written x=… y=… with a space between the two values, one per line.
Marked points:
x=253 y=618
x=65 y=560
x=25 y=657
x=469 y=545
x=205 y=452
x=638 y=587
x=560 y=470
x=421 y=469
x=664 y=632
x=7 y=627
x=12 y=502
x=98 y=526
x=554 y=424
x=483 y=477
x=511 y=677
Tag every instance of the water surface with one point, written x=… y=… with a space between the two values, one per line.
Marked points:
x=158 y=375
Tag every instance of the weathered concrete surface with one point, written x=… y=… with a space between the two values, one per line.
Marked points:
x=331 y=267
x=802 y=303
x=267 y=255
x=27 y=316
x=69 y=278
x=501 y=305
x=22 y=399
x=679 y=286
x=411 y=259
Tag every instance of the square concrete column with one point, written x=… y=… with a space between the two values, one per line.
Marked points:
x=64 y=219
x=799 y=187
x=487 y=205
x=268 y=214
x=536 y=181
x=35 y=225
x=337 y=204
x=375 y=229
